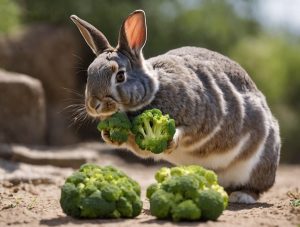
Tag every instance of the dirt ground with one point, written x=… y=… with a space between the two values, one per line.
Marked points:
x=30 y=180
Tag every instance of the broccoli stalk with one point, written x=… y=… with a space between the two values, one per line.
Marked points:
x=153 y=130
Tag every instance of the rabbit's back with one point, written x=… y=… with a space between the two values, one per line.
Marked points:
x=227 y=123
x=237 y=75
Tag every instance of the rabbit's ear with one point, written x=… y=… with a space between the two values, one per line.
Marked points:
x=133 y=33
x=93 y=37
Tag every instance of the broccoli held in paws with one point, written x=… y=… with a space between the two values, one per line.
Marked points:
x=186 y=193
x=100 y=192
x=118 y=126
x=153 y=130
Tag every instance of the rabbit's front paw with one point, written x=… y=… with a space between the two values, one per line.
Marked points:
x=106 y=138
x=173 y=144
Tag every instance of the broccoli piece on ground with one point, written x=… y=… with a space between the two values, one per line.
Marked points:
x=186 y=185
x=118 y=126
x=222 y=192
x=151 y=189
x=124 y=206
x=186 y=210
x=161 y=204
x=162 y=174
x=153 y=130
x=186 y=193
x=100 y=192
x=211 y=204
x=70 y=198
x=95 y=206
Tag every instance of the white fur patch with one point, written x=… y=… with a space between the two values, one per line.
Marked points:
x=201 y=142
x=213 y=161
x=241 y=197
x=239 y=173
x=216 y=161
x=176 y=138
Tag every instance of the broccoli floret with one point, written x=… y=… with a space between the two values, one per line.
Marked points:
x=153 y=130
x=76 y=178
x=70 y=197
x=151 y=189
x=222 y=192
x=186 y=193
x=211 y=204
x=111 y=192
x=124 y=206
x=118 y=134
x=211 y=177
x=178 y=171
x=161 y=203
x=162 y=174
x=118 y=126
x=186 y=210
x=186 y=185
x=95 y=206
x=100 y=192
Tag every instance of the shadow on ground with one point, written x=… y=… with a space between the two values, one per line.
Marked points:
x=237 y=206
x=65 y=220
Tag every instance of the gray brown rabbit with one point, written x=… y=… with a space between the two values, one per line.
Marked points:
x=222 y=120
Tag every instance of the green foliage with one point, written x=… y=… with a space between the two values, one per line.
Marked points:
x=273 y=63
x=118 y=126
x=10 y=13
x=100 y=192
x=186 y=193
x=211 y=24
x=295 y=203
x=153 y=130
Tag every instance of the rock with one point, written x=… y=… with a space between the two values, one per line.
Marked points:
x=63 y=157
x=47 y=53
x=17 y=173
x=22 y=115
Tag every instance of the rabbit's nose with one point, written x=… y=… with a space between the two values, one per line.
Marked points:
x=94 y=103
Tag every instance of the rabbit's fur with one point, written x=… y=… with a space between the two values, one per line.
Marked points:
x=222 y=120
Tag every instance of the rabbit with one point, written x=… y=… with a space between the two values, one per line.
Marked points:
x=223 y=122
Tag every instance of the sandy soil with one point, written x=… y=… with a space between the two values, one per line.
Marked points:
x=29 y=194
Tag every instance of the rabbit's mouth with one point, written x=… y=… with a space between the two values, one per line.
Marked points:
x=101 y=109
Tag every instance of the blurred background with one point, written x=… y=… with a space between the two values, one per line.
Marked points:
x=43 y=59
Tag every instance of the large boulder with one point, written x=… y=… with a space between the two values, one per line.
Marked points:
x=22 y=109
x=47 y=53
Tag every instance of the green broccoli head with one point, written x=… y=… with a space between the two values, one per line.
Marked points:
x=186 y=210
x=118 y=134
x=181 y=194
x=161 y=204
x=162 y=174
x=151 y=189
x=153 y=130
x=100 y=192
x=118 y=126
x=70 y=198
x=211 y=204
x=222 y=192
x=186 y=185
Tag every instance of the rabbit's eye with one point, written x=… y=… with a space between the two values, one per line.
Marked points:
x=120 y=77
